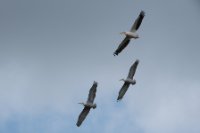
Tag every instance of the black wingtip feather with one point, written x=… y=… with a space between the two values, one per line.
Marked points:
x=116 y=53
x=137 y=61
x=77 y=125
x=142 y=13
x=95 y=83
x=119 y=99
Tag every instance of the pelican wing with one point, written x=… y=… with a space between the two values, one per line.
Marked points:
x=92 y=93
x=122 y=45
x=123 y=90
x=83 y=115
x=138 y=22
x=133 y=69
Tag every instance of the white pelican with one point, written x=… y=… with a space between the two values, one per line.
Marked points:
x=130 y=34
x=129 y=80
x=88 y=105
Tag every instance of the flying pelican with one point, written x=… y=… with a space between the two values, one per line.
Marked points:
x=130 y=34
x=129 y=80
x=89 y=104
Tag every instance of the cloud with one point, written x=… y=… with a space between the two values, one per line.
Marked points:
x=171 y=106
x=50 y=57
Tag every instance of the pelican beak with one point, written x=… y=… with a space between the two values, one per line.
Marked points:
x=121 y=80
x=82 y=104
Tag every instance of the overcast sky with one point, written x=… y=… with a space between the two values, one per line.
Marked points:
x=51 y=51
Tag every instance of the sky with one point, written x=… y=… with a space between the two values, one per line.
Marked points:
x=51 y=51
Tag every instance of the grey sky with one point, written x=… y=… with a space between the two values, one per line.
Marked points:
x=50 y=50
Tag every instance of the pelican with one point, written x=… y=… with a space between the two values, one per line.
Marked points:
x=129 y=80
x=88 y=105
x=130 y=34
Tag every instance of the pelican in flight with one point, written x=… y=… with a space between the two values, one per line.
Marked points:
x=130 y=34
x=129 y=80
x=88 y=105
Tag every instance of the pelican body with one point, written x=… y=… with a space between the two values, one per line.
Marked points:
x=130 y=34
x=129 y=80
x=88 y=105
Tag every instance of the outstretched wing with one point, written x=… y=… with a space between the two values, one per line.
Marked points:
x=122 y=45
x=133 y=69
x=138 y=22
x=123 y=90
x=92 y=93
x=83 y=115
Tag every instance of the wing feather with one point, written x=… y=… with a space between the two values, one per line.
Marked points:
x=133 y=69
x=122 y=45
x=138 y=22
x=123 y=91
x=92 y=93
x=82 y=116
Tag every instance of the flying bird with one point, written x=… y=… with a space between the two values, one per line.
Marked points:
x=130 y=34
x=88 y=105
x=129 y=80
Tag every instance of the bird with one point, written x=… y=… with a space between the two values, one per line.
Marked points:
x=88 y=105
x=130 y=34
x=129 y=80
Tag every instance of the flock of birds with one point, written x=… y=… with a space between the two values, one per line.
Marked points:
x=127 y=82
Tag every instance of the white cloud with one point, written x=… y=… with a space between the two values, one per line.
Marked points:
x=172 y=106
